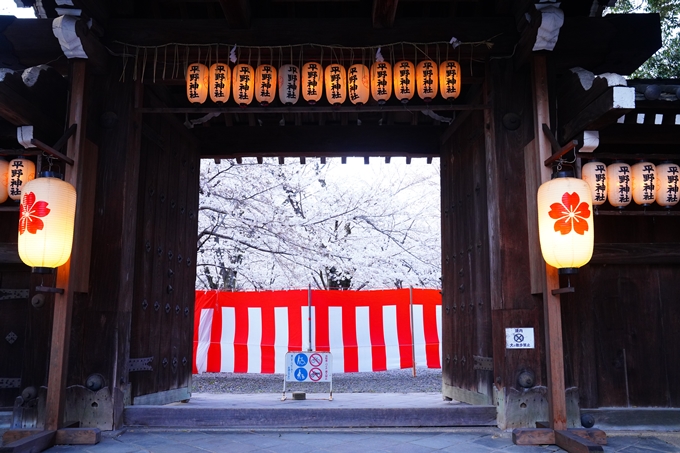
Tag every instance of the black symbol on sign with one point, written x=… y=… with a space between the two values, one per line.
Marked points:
x=519 y=338
x=315 y=360
x=315 y=374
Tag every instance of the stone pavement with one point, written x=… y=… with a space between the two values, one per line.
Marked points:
x=410 y=440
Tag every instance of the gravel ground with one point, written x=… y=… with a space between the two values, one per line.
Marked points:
x=392 y=381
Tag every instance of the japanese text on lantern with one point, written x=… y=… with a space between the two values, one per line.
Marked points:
x=404 y=78
x=16 y=172
x=335 y=82
x=266 y=82
x=353 y=85
x=451 y=74
x=219 y=78
x=312 y=79
x=427 y=73
x=624 y=184
x=600 y=182
x=672 y=184
x=381 y=82
x=292 y=83
x=194 y=74
x=244 y=80
x=648 y=187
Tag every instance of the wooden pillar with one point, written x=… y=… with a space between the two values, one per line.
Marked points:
x=63 y=303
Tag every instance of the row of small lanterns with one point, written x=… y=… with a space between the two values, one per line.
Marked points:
x=46 y=213
x=427 y=79
x=643 y=183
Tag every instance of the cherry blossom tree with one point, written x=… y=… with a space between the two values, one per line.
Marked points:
x=271 y=226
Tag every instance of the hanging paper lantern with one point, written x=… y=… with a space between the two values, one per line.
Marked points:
x=21 y=171
x=381 y=81
x=667 y=184
x=46 y=219
x=312 y=82
x=243 y=80
x=565 y=222
x=644 y=183
x=404 y=80
x=619 y=184
x=449 y=79
x=265 y=84
x=4 y=175
x=595 y=174
x=220 y=82
x=289 y=84
x=427 y=80
x=336 y=83
x=358 y=84
x=197 y=83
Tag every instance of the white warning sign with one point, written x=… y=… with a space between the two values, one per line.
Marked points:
x=519 y=338
x=309 y=367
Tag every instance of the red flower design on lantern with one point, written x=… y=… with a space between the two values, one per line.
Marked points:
x=29 y=211
x=570 y=214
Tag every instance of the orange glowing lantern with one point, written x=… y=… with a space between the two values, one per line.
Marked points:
x=4 y=174
x=644 y=183
x=243 y=83
x=220 y=82
x=381 y=81
x=449 y=79
x=667 y=184
x=404 y=80
x=197 y=83
x=595 y=174
x=427 y=80
x=619 y=184
x=21 y=171
x=265 y=84
x=312 y=82
x=335 y=79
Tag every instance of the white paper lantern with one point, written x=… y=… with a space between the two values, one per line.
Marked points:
x=644 y=183
x=312 y=82
x=265 y=84
x=243 y=81
x=449 y=79
x=289 y=84
x=335 y=79
x=21 y=171
x=667 y=184
x=619 y=184
x=46 y=221
x=404 y=80
x=197 y=83
x=427 y=80
x=595 y=174
x=4 y=176
x=381 y=81
x=565 y=223
x=358 y=84
x=220 y=82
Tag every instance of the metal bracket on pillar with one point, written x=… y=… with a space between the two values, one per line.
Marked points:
x=558 y=151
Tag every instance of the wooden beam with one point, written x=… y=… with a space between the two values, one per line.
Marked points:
x=33 y=443
x=533 y=436
x=268 y=32
x=603 y=111
x=575 y=444
x=313 y=141
x=655 y=253
x=9 y=253
x=384 y=12
x=640 y=134
x=302 y=108
x=236 y=12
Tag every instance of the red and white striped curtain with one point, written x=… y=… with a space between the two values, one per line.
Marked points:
x=250 y=332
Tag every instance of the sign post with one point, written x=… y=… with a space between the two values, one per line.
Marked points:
x=308 y=366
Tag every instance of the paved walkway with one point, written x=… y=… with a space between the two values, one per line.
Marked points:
x=462 y=440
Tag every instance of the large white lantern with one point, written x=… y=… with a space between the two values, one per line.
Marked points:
x=220 y=82
x=595 y=174
x=667 y=184
x=289 y=84
x=265 y=84
x=619 y=184
x=358 y=84
x=197 y=83
x=565 y=222
x=4 y=176
x=644 y=183
x=46 y=219
x=312 y=82
x=21 y=171
x=243 y=81
x=381 y=81
x=404 y=80
x=335 y=79
x=449 y=79
x=427 y=80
